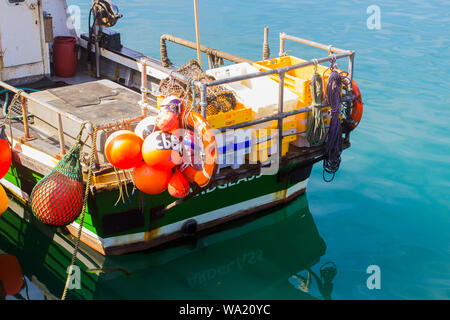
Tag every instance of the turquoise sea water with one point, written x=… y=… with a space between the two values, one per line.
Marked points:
x=389 y=203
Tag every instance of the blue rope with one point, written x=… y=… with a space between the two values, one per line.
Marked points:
x=333 y=141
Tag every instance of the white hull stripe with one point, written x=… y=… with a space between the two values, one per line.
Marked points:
x=204 y=218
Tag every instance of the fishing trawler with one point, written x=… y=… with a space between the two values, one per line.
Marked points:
x=260 y=125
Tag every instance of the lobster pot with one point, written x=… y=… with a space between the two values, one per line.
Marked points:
x=57 y=200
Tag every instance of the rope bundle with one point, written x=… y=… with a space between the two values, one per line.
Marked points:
x=316 y=128
x=333 y=141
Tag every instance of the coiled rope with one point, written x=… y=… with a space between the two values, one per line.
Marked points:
x=83 y=210
x=8 y=106
x=333 y=141
x=316 y=128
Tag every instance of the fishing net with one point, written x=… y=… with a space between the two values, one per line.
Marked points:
x=57 y=199
x=219 y=98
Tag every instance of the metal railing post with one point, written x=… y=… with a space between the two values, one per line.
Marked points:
x=351 y=61
x=62 y=145
x=203 y=101
x=280 y=111
x=26 y=127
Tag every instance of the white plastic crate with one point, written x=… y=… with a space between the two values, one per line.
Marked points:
x=232 y=147
x=260 y=94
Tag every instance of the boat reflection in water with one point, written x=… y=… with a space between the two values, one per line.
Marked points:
x=272 y=256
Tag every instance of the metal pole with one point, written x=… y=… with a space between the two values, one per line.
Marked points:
x=26 y=128
x=280 y=111
x=197 y=34
x=62 y=144
x=351 y=61
x=274 y=71
x=266 y=49
x=97 y=50
x=204 y=102
x=281 y=53
x=193 y=45
x=144 y=90
x=210 y=61
x=330 y=48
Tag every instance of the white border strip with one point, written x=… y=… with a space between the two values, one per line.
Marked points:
x=204 y=218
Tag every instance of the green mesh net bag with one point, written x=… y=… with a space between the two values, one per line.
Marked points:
x=57 y=199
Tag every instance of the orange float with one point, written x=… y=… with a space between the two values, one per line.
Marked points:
x=10 y=274
x=4 y=202
x=5 y=157
x=178 y=185
x=123 y=149
x=151 y=180
x=358 y=106
x=167 y=119
x=202 y=175
x=161 y=150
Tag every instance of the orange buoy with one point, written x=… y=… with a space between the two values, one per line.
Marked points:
x=178 y=185
x=4 y=202
x=10 y=274
x=146 y=127
x=5 y=157
x=151 y=180
x=168 y=117
x=123 y=149
x=161 y=150
x=358 y=106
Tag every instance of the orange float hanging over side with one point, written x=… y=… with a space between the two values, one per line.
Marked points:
x=208 y=169
x=11 y=274
x=151 y=180
x=178 y=185
x=123 y=149
x=358 y=106
x=4 y=202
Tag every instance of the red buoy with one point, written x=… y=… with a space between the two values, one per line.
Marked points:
x=178 y=185
x=65 y=56
x=151 y=180
x=10 y=274
x=5 y=157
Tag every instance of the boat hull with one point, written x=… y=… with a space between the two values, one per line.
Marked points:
x=138 y=223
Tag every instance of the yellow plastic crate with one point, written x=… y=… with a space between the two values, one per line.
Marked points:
x=262 y=139
x=238 y=115
x=262 y=151
x=297 y=80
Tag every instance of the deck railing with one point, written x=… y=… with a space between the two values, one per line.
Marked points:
x=144 y=62
x=334 y=53
x=24 y=97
